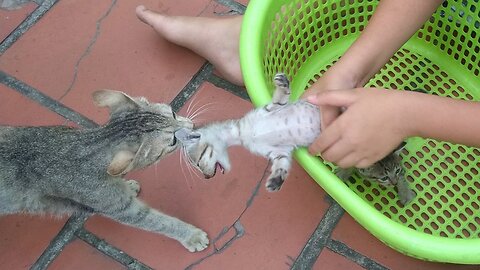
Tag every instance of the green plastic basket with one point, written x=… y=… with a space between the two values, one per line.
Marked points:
x=304 y=37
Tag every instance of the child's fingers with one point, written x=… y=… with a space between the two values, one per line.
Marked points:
x=349 y=160
x=326 y=139
x=338 y=98
x=328 y=115
x=338 y=151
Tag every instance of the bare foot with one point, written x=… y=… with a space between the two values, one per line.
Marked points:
x=215 y=39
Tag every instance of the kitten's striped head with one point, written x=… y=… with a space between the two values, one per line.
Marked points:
x=204 y=150
x=387 y=171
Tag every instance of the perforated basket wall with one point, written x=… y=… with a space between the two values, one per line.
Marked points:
x=303 y=38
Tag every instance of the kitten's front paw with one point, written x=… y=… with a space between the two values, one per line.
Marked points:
x=281 y=80
x=197 y=241
x=134 y=186
x=406 y=198
x=275 y=182
x=344 y=174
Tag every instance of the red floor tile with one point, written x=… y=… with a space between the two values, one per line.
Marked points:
x=79 y=255
x=24 y=238
x=17 y=110
x=10 y=19
x=351 y=233
x=126 y=55
x=218 y=202
x=329 y=260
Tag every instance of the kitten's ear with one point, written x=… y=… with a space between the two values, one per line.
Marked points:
x=185 y=135
x=115 y=100
x=399 y=148
x=121 y=163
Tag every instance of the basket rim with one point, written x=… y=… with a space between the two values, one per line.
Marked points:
x=398 y=236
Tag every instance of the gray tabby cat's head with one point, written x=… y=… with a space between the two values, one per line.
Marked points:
x=144 y=132
x=204 y=150
x=387 y=171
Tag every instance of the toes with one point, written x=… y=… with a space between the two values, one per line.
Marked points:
x=275 y=183
x=281 y=80
x=145 y=15
x=140 y=11
x=197 y=242
x=134 y=186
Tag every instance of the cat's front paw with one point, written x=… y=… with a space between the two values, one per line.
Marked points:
x=134 y=186
x=407 y=197
x=197 y=241
x=281 y=80
x=276 y=179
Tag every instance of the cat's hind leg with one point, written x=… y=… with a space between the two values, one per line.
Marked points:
x=281 y=163
x=282 y=92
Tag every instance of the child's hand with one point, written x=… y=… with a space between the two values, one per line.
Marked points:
x=333 y=79
x=369 y=129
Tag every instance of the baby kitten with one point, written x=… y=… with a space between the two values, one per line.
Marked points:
x=274 y=131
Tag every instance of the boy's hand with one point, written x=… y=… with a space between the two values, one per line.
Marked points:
x=371 y=126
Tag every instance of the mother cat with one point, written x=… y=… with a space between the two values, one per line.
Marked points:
x=63 y=170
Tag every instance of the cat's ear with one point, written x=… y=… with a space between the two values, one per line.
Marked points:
x=399 y=148
x=121 y=163
x=185 y=135
x=115 y=100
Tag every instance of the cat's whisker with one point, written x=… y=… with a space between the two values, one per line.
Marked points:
x=189 y=167
x=156 y=171
x=193 y=106
x=181 y=156
x=204 y=106
x=203 y=109
x=190 y=104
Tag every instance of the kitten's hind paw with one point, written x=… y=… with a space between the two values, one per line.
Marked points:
x=281 y=80
x=276 y=179
x=197 y=241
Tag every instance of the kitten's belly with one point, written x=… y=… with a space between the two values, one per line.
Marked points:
x=296 y=124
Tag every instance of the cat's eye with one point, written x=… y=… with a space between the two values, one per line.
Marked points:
x=398 y=170
x=174 y=115
x=384 y=179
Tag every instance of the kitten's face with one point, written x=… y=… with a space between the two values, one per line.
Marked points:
x=386 y=172
x=204 y=151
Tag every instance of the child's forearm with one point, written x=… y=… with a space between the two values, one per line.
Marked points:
x=441 y=118
x=392 y=24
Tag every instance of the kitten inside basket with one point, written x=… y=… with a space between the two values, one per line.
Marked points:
x=274 y=131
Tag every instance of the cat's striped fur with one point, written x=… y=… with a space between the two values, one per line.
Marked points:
x=63 y=170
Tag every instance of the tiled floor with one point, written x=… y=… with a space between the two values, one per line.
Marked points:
x=74 y=47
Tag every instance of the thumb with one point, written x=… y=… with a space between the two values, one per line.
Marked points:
x=337 y=98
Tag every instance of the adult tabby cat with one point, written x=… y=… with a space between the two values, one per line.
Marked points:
x=63 y=170
x=274 y=131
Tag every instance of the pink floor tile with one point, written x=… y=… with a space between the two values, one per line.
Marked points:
x=24 y=238
x=79 y=255
x=124 y=54
x=10 y=19
x=16 y=109
x=332 y=261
